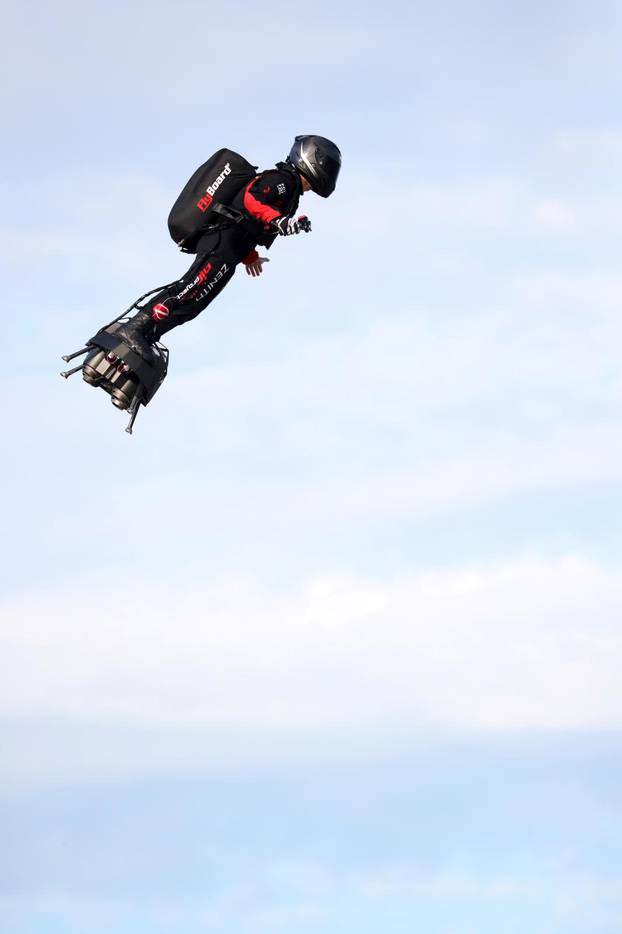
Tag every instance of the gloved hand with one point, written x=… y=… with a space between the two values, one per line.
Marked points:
x=287 y=226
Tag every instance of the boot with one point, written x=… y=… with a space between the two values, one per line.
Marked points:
x=139 y=334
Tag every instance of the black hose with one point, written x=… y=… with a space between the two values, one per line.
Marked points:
x=159 y=288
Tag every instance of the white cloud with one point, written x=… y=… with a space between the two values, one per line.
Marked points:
x=295 y=891
x=589 y=149
x=100 y=224
x=512 y=207
x=480 y=412
x=401 y=419
x=503 y=470
x=476 y=209
x=527 y=645
x=553 y=336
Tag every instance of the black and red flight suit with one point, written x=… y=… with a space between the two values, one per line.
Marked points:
x=268 y=197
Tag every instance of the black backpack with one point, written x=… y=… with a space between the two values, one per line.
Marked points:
x=203 y=200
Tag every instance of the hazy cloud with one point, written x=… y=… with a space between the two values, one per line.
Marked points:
x=528 y=645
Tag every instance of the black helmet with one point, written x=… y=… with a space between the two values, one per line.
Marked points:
x=318 y=160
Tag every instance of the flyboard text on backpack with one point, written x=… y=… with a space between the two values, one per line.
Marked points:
x=204 y=202
x=216 y=182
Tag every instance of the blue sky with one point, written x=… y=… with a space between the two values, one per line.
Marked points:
x=332 y=643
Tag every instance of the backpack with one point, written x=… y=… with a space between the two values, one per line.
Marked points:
x=202 y=201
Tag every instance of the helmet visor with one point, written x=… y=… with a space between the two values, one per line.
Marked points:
x=330 y=169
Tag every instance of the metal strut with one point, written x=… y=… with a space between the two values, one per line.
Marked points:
x=70 y=356
x=69 y=373
x=134 y=413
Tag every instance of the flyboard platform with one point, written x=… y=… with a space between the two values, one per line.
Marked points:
x=129 y=379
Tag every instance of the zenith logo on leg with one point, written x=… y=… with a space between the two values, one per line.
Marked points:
x=213 y=282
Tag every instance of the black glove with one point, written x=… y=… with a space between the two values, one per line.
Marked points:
x=287 y=226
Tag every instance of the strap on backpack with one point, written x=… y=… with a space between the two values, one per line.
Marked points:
x=230 y=213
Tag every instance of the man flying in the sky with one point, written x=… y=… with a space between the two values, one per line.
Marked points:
x=264 y=209
x=225 y=211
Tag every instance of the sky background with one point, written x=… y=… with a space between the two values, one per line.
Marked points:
x=332 y=644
